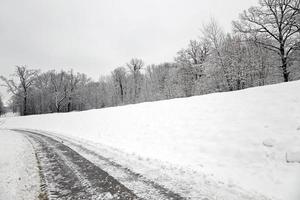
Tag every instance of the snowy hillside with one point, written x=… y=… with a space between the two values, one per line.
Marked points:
x=240 y=138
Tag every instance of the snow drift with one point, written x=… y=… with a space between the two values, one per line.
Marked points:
x=240 y=138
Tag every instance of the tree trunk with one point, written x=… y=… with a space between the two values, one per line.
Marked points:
x=286 y=76
x=284 y=70
x=122 y=93
x=70 y=104
x=284 y=64
x=135 y=88
x=70 y=100
x=25 y=105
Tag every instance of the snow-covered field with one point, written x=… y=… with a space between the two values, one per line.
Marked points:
x=240 y=138
x=19 y=177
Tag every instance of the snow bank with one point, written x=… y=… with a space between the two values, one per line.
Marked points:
x=19 y=178
x=222 y=135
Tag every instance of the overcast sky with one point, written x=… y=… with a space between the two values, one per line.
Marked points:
x=96 y=36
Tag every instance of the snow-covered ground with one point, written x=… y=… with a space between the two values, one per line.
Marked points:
x=238 y=138
x=19 y=177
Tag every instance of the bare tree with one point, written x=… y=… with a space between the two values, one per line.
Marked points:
x=20 y=88
x=158 y=80
x=119 y=79
x=195 y=54
x=59 y=87
x=135 y=65
x=215 y=36
x=273 y=24
x=43 y=92
x=72 y=83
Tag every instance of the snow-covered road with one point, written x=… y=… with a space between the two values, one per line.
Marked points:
x=43 y=166
x=37 y=164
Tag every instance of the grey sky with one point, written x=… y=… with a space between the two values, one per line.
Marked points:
x=96 y=36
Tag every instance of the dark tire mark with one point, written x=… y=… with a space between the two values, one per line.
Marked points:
x=166 y=193
x=70 y=176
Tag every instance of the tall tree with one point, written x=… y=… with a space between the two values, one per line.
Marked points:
x=135 y=65
x=72 y=83
x=20 y=88
x=215 y=36
x=43 y=93
x=59 y=89
x=119 y=80
x=275 y=25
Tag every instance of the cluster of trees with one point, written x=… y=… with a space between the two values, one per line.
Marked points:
x=264 y=49
x=36 y=93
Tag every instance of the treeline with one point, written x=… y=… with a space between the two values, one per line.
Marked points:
x=264 y=49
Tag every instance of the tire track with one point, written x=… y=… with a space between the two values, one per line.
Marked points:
x=150 y=189
x=68 y=175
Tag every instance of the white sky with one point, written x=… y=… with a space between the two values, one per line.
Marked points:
x=96 y=36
